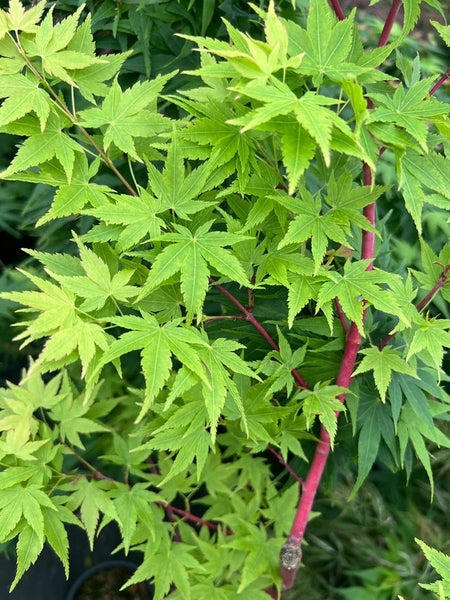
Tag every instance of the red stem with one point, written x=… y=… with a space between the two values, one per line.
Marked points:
x=292 y=547
x=189 y=516
x=285 y=464
x=337 y=9
x=389 y=23
x=250 y=317
x=340 y=314
x=440 y=82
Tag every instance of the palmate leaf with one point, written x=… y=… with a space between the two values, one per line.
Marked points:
x=411 y=109
x=91 y=497
x=323 y=403
x=50 y=44
x=96 y=285
x=191 y=253
x=441 y=564
x=138 y=217
x=165 y=566
x=421 y=174
x=125 y=115
x=357 y=285
x=412 y=428
x=71 y=198
x=27 y=502
x=71 y=416
x=29 y=546
x=431 y=337
x=326 y=43
x=383 y=362
x=220 y=359
x=42 y=146
x=23 y=94
x=133 y=505
x=179 y=192
x=19 y=19
x=310 y=223
x=297 y=147
x=157 y=344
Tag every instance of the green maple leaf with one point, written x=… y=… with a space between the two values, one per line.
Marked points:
x=51 y=43
x=28 y=548
x=297 y=148
x=357 y=285
x=310 y=223
x=412 y=427
x=444 y=31
x=441 y=564
x=42 y=146
x=57 y=308
x=19 y=19
x=126 y=116
x=326 y=43
x=346 y=200
x=72 y=418
x=190 y=253
x=157 y=344
x=383 y=362
x=179 y=192
x=71 y=198
x=18 y=406
x=420 y=175
x=167 y=565
x=211 y=129
x=375 y=423
x=411 y=109
x=23 y=94
x=432 y=267
x=96 y=284
x=220 y=358
x=323 y=403
x=27 y=502
x=133 y=505
x=431 y=336
x=91 y=497
x=309 y=110
x=138 y=217
x=260 y=551
x=60 y=321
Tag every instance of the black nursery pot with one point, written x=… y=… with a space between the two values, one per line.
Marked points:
x=103 y=581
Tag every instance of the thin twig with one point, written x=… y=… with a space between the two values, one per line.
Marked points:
x=440 y=82
x=340 y=314
x=285 y=464
x=206 y=319
x=389 y=23
x=250 y=317
x=337 y=9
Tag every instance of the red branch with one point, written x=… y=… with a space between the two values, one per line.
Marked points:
x=337 y=9
x=168 y=507
x=440 y=82
x=189 y=516
x=340 y=314
x=389 y=23
x=250 y=317
x=290 y=556
x=285 y=464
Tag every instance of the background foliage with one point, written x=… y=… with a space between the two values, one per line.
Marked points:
x=340 y=562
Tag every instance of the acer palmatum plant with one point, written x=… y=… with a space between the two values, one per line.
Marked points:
x=225 y=299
